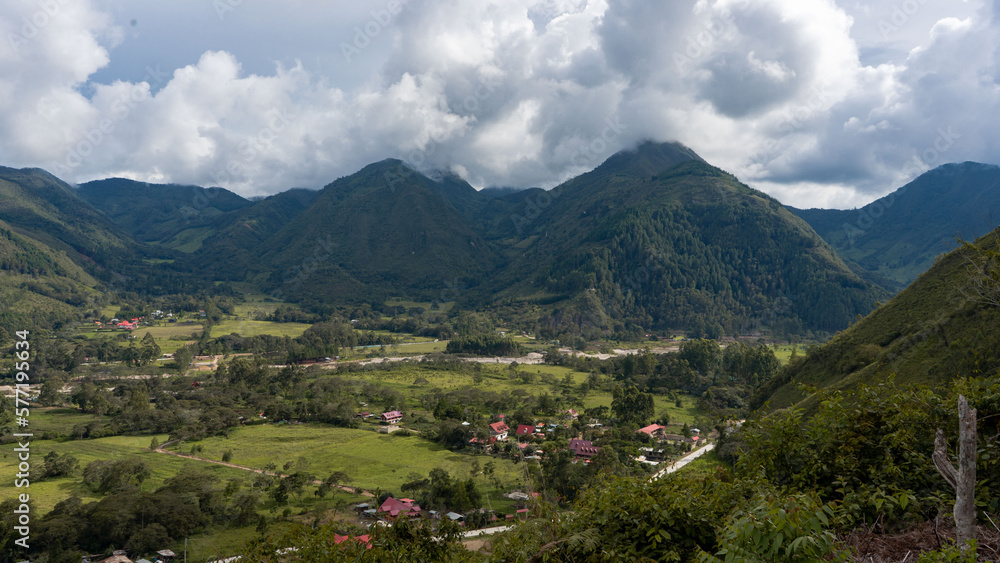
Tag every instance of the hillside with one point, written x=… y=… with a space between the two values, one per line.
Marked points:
x=652 y=239
x=228 y=251
x=688 y=248
x=899 y=236
x=385 y=230
x=40 y=287
x=930 y=333
x=39 y=205
x=178 y=217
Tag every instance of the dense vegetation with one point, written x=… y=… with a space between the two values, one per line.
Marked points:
x=899 y=236
x=654 y=239
x=937 y=329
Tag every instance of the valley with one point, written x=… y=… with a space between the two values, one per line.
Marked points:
x=241 y=376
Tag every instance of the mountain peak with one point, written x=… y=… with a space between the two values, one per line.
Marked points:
x=648 y=158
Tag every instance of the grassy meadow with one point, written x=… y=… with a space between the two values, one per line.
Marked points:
x=371 y=460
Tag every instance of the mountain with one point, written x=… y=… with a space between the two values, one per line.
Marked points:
x=383 y=231
x=229 y=251
x=688 y=247
x=930 y=333
x=175 y=216
x=55 y=250
x=39 y=205
x=40 y=287
x=653 y=238
x=899 y=236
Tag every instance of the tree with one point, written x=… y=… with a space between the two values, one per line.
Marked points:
x=632 y=406
x=964 y=479
x=105 y=476
x=60 y=465
x=983 y=270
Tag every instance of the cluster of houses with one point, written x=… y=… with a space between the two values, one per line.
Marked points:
x=120 y=324
x=393 y=508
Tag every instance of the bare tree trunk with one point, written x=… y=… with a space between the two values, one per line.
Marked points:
x=964 y=479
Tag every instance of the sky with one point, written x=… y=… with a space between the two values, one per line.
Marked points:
x=820 y=103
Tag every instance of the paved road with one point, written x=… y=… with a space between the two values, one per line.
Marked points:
x=485 y=531
x=677 y=465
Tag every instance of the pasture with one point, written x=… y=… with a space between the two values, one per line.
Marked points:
x=47 y=493
x=172 y=330
x=414 y=380
x=245 y=327
x=372 y=460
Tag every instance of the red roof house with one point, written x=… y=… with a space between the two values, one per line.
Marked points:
x=499 y=430
x=365 y=539
x=583 y=448
x=653 y=430
x=392 y=417
x=394 y=507
x=525 y=430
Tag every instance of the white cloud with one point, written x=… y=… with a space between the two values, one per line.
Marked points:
x=812 y=100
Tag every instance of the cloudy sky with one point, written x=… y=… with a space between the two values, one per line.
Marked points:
x=821 y=103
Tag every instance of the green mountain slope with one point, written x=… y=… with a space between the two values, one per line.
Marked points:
x=179 y=217
x=930 y=333
x=899 y=236
x=230 y=252
x=689 y=248
x=40 y=287
x=36 y=204
x=382 y=231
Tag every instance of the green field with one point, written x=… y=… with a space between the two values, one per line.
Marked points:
x=255 y=307
x=372 y=460
x=173 y=330
x=47 y=493
x=60 y=420
x=784 y=351
x=245 y=327
x=442 y=307
x=497 y=378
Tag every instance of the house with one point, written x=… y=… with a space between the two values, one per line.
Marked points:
x=365 y=415
x=654 y=430
x=499 y=430
x=571 y=414
x=524 y=430
x=583 y=448
x=365 y=539
x=396 y=507
x=455 y=517
x=391 y=417
x=116 y=559
x=166 y=555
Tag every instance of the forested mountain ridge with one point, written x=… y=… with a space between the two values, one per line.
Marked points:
x=899 y=236
x=37 y=204
x=653 y=238
x=934 y=331
x=385 y=230
x=689 y=248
